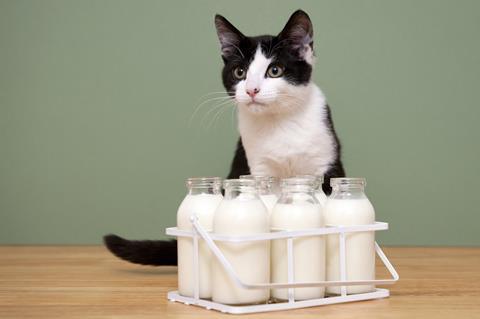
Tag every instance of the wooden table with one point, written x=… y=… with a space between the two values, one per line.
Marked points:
x=88 y=282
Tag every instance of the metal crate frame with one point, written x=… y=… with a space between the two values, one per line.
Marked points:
x=199 y=233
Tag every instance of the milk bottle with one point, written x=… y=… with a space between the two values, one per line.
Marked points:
x=297 y=208
x=241 y=212
x=203 y=197
x=348 y=205
x=318 y=180
x=267 y=188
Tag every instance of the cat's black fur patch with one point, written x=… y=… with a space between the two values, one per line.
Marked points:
x=336 y=168
x=144 y=252
x=297 y=71
x=239 y=164
x=238 y=50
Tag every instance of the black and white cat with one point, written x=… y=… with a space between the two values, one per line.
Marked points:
x=284 y=122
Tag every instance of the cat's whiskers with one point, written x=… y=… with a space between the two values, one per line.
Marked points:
x=204 y=103
x=231 y=107
x=222 y=104
x=270 y=95
x=219 y=114
x=215 y=108
x=233 y=118
x=219 y=111
x=215 y=93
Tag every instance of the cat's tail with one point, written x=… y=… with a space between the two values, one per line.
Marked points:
x=144 y=252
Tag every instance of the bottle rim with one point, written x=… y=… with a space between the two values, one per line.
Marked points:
x=240 y=182
x=260 y=178
x=318 y=179
x=264 y=183
x=348 y=181
x=296 y=181
x=204 y=181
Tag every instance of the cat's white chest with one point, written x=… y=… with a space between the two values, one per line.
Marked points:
x=287 y=145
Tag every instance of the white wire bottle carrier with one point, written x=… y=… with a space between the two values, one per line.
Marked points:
x=199 y=233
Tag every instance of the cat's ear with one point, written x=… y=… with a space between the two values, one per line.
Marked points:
x=298 y=32
x=228 y=35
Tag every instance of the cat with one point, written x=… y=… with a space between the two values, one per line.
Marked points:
x=285 y=125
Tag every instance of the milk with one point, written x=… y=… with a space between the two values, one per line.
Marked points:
x=245 y=214
x=309 y=252
x=203 y=205
x=360 y=247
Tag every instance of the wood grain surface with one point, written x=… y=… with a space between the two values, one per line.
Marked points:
x=88 y=282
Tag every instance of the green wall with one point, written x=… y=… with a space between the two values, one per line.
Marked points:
x=96 y=97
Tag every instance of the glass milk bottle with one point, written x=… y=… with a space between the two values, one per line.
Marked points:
x=267 y=187
x=203 y=197
x=297 y=208
x=348 y=205
x=241 y=212
x=318 y=180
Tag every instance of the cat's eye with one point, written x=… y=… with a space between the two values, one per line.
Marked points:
x=275 y=71
x=239 y=73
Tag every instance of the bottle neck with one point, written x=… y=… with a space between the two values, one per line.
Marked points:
x=210 y=190
x=241 y=192
x=266 y=185
x=297 y=195
x=348 y=192
x=298 y=189
x=267 y=189
x=204 y=185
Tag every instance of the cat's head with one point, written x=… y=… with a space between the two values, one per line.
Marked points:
x=267 y=74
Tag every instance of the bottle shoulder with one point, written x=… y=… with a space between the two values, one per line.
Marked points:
x=349 y=211
x=201 y=205
x=306 y=215
x=236 y=216
x=235 y=209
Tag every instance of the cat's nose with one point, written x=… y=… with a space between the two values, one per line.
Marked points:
x=253 y=92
